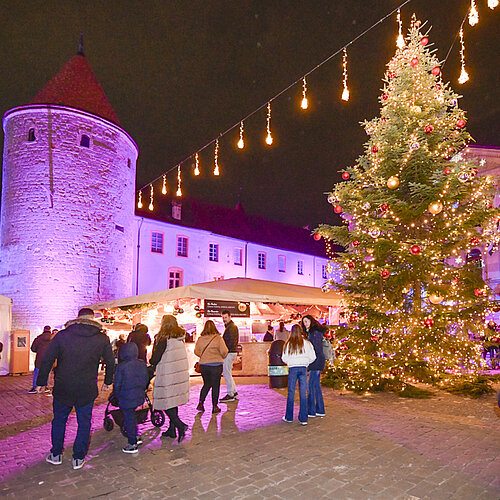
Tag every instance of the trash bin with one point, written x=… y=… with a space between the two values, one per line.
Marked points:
x=277 y=369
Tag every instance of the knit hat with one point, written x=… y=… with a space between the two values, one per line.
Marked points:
x=47 y=328
x=86 y=312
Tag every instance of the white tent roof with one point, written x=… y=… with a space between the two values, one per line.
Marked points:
x=241 y=289
x=5 y=300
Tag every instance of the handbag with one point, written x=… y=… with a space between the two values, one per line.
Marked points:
x=197 y=368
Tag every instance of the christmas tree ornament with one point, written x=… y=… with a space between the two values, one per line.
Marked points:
x=478 y=292
x=392 y=74
x=375 y=149
x=463 y=176
x=447 y=170
x=392 y=182
x=424 y=41
x=384 y=207
x=355 y=243
x=415 y=146
x=434 y=298
x=416 y=109
x=428 y=129
x=428 y=322
x=374 y=338
x=331 y=199
x=385 y=96
x=383 y=120
x=366 y=206
x=461 y=123
x=370 y=250
x=437 y=86
x=414 y=62
x=369 y=129
x=375 y=232
x=369 y=258
x=452 y=103
x=346 y=175
x=473 y=172
x=385 y=273
x=474 y=240
x=351 y=264
x=337 y=209
x=415 y=250
x=435 y=207
x=436 y=70
x=317 y=236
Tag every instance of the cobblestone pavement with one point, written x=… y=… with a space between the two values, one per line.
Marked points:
x=367 y=447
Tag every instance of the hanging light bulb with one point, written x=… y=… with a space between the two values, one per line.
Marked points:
x=179 y=191
x=196 y=164
x=151 y=206
x=241 y=142
x=473 y=13
x=164 y=186
x=345 y=92
x=400 y=41
x=304 y=102
x=463 y=74
x=139 y=202
x=216 y=158
x=492 y=4
x=269 y=138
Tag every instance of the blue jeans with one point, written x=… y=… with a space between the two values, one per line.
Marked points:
x=84 y=418
x=35 y=375
x=315 y=402
x=227 y=373
x=297 y=373
x=130 y=424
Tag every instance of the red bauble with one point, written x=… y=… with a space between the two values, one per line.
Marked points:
x=384 y=207
x=437 y=86
x=414 y=62
x=346 y=175
x=337 y=209
x=374 y=338
x=495 y=339
x=385 y=273
x=355 y=243
x=383 y=120
x=351 y=264
x=317 y=236
x=428 y=322
x=474 y=241
x=375 y=149
x=489 y=205
x=474 y=172
x=428 y=129
x=424 y=41
x=447 y=170
x=385 y=97
x=436 y=70
x=392 y=74
x=415 y=250
x=461 y=123
x=478 y=292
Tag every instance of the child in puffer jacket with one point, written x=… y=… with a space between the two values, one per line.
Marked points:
x=129 y=387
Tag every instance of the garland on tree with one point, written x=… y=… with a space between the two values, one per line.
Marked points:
x=414 y=210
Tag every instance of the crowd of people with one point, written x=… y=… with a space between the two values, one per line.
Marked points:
x=81 y=348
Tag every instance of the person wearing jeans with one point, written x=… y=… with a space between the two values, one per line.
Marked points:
x=231 y=338
x=40 y=346
x=298 y=353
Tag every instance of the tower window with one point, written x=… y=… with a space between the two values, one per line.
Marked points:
x=85 y=141
x=31 y=135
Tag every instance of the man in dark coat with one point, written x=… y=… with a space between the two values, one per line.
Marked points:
x=131 y=382
x=231 y=338
x=40 y=346
x=78 y=350
x=139 y=336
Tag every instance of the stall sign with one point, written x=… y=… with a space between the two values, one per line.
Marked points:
x=237 y=309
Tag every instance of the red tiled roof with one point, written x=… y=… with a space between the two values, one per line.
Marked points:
x=76 y=86
x=235 y=223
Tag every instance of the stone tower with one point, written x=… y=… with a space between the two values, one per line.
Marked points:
x=68 y=189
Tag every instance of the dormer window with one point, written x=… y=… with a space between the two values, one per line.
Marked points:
x=176 y=210
x=31 y=135
x=85 y=141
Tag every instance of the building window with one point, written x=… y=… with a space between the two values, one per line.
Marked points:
x=85 y=141
x=261 y=260
x=238 y=256
x=182 y=246
x=324 y=272
x=174 y=277
x=129 y=163
x=31 y=135
x=300 y=267
x=281 y=263
x=213 y=252
x=156 y=242
x=176 y=210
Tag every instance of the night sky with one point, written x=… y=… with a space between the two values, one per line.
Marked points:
x=178 y=73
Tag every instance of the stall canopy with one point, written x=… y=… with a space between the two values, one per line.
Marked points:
x=240 y=289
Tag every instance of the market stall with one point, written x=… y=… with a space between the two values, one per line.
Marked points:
x=253 y=304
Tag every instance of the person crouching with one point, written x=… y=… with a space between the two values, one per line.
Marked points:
x=131 y=382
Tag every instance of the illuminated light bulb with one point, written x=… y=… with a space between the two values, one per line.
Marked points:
x=216 y=158
x=400 y=41
x=345 y=92
x=164 y=186
x=196 y=164
x=241 y=142
x=463 y=74
x=269 y=138
x=179 y=191
x=473 y=13
x=139 y=202
x=492 y=4
x=151 y=206
x=304 y=102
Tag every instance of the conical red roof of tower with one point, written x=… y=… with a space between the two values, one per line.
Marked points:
x=76 y=86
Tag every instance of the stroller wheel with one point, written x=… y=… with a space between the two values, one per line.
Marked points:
x=157 y=418
x=108 y=424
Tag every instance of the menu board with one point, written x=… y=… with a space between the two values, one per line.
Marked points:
x=237 y=309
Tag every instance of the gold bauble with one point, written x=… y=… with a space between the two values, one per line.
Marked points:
x=435 y=207
x=434 y=298
x=392 y=182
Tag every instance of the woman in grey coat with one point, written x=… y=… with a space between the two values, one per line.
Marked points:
x=171 y=386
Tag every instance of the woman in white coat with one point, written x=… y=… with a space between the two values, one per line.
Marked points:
x=171 y=387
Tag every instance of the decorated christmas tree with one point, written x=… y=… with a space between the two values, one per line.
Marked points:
x=417 y=219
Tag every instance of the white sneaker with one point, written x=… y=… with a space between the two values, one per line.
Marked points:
x=303 y=423
x=54 y=459
x=78 y=463
x=320 y=414
x=285 y=420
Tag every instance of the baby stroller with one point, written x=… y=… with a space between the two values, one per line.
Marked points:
x=157 y=416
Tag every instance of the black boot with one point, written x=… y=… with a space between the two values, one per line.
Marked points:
x=182 y=431
x=170 y=432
